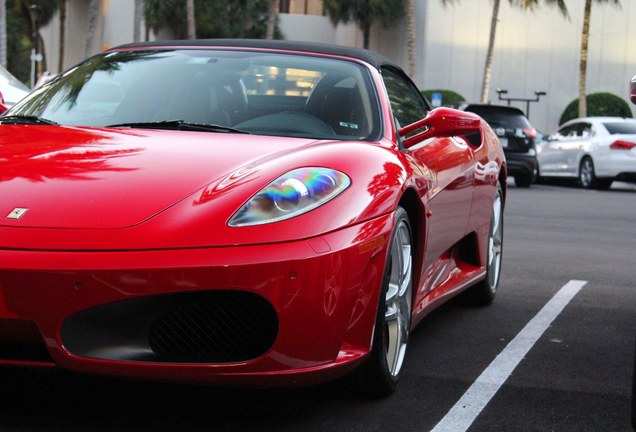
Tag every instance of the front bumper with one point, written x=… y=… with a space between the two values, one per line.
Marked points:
x=309 y=313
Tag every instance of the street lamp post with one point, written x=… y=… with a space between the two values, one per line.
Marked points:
x=537 y=95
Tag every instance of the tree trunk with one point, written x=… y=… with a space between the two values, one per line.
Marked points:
x=410 y=37
x=271 y=19
x=191 y=23
x=60 y=62
x=366 y=35
x=583 y=64
x=138 y=14
x=3 y=33
x=93 y=12
x=485 y=88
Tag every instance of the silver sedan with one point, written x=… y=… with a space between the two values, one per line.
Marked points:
x=593 y=150
x=11 y=90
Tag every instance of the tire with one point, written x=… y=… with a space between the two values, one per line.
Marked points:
x=485 y=291
x=587 y=176
x=380 y=374
x=524 y=181
x=586 y=173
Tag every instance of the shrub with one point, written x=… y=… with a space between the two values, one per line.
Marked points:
x=449 y=97
x=598 y=105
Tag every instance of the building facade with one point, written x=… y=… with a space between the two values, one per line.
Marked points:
x=534 y=50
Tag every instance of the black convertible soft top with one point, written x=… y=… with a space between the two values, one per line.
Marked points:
x=373 y=58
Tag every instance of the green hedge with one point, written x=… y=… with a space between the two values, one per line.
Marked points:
x=449 y=97
x=598 y=105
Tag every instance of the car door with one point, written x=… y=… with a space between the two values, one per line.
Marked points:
x=551 y=158
x=449 y=163
x=562 y=153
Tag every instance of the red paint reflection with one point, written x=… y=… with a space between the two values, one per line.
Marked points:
x=38 y=153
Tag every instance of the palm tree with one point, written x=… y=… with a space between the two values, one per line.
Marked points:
x=525 y=4
x=166 y=14
x=485 y=84
x=585 y=34
x=271 y=19
x=214 y=18
x=190 y=21
x=410 y=36
x=93 y=12
x=138 y=14
x=365 y=12
x=60 y=64
x=3 y=33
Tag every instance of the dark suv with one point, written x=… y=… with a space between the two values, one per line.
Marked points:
x=517 y=139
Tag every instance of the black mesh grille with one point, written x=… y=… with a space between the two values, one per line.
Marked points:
x=218 y=328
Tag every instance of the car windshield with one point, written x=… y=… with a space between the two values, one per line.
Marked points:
x=250 y=91
x=500 y=116
x=620 y=128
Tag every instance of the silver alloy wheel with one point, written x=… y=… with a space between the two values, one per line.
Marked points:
x=586 y=173
x=398 y=298
x=495 y=242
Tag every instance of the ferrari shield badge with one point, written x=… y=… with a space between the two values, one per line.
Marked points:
x=17 y=213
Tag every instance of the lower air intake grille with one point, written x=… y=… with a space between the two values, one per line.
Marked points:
x=194 y=327
x=218 y=328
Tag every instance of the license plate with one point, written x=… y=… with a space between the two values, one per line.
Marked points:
x=504 y=142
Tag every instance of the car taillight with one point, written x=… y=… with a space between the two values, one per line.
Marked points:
x=530 y=132
x=622 y=145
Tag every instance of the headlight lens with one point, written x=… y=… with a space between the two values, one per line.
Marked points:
x=290 y=195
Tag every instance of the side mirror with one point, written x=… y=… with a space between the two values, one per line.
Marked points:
x=632 y=90
x=440 y=122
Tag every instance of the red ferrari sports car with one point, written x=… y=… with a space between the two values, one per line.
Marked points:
x=239 y=212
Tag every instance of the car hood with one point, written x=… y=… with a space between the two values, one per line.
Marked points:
x=91 y=178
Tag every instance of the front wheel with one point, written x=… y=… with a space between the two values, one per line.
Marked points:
x=380 y=375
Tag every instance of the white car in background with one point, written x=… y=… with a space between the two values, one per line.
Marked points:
x=11 y=88
x=593 y=150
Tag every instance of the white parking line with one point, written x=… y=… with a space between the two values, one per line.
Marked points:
x=466 y=410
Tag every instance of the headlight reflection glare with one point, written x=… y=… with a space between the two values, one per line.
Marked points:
x=292 y=194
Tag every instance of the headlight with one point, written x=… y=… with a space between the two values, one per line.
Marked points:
x=290 y=195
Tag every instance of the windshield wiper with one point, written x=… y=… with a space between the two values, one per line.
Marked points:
x=179 y=125
x=26 y=119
